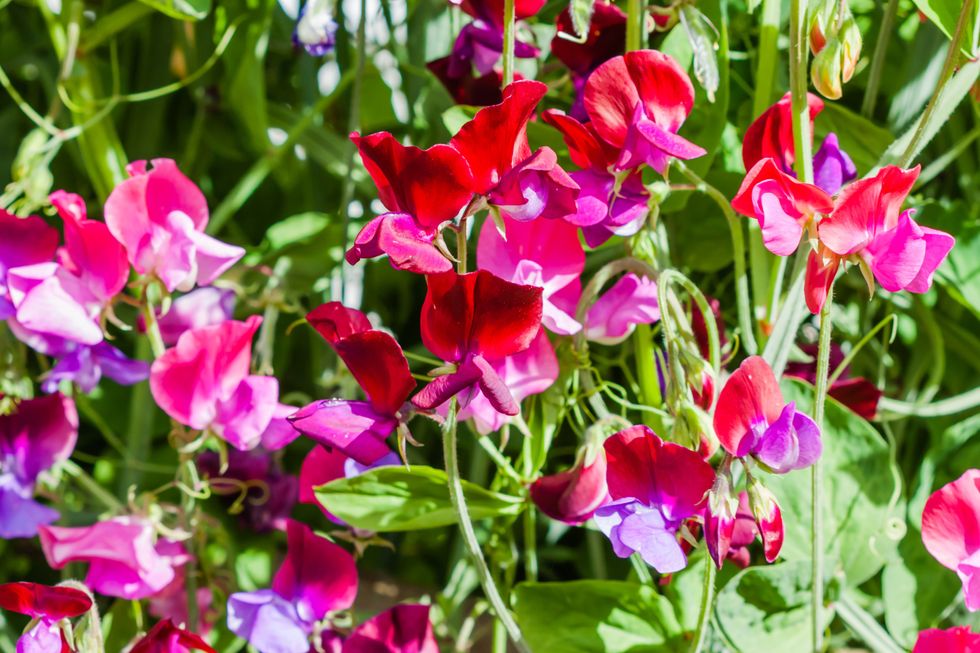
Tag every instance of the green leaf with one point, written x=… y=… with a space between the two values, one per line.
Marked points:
x=403 y=499
x=960 y=272
x=596 y=616
x=944 y=13
x=181 y=9
x=767 y=608
x=860 y=487
x=698 y=29
x=581 y=14
x=295 y=229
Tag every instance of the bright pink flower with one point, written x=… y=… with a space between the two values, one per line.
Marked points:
x=422 y=190
x=470 y=319
x=867 y=227
x=23 y=241
x=199 y=308
x=572 y=496
x=720 y=515
x=375 y=359
x=654 y=486
x=126 y=559
x=49 y=606
x=771 y=135
x=159 y=216
x=525 y=373
x=323 y=465
x=752 y=420
x=66 y=299
x=543 y=253
x=958 y=639
x=951 y=531
x=404 y=628
x=601 y=209
x=203 y=382
x=782 y=205
x=39 y=434
x=165 y=637
x=523 y=185
x=630 y=301
x=637 y=103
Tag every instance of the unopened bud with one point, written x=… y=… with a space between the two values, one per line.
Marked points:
x=850 y=38
x=719 y=519
x=768 y=517
x=825 y=72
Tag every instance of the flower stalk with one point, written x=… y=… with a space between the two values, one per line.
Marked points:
x=510 y=39
x=816 y=471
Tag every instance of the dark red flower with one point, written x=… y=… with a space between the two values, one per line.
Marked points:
x=492 y=11
x=165 y=637
x=573 y=495
x=605 y=40
x=44 y=601
x=857 y=393
x=469 y=89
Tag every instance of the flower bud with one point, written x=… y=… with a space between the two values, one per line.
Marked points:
x=823 y=18
x=850 y=38
x=768 y=517
x=573 y=495
x=719 y=518
x=825 y=72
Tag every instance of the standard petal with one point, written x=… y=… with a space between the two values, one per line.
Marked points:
x=317 y=575
x=268 y=622
x=951 y=520
x=630 y=301
x=352 y=427
x=404 y=628
x=750 y=396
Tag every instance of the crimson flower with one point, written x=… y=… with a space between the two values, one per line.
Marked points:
x=422 y=190
x=48 y=606
x=165 y=637
x=468 y=319
x=572 y=496
x=958 y=639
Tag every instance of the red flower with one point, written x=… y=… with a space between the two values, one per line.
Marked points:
x=43 y=601
x=165 y=637
x=605 y=40
x=573 y=495
x=469 y=318
x=468 y=89
x=422 y=189
x=771 y=135
x=492 y=11
x=857 y=393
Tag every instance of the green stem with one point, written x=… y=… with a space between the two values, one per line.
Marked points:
x=153 y=334
x=651 y=394
x=791 y=313
x=530 y=545
x=634 y=25
x=816 y=472
x=707 y=600
x=510 y=38
x=92 y=486
x=461 y=246
x=189 y=509
x=865 y=626
x=949 y=66
x=878 y=60
x=112 y=23
x=949 y=406
x=768 y=56
x=802 y=138
x=641 y=569
x=458 y=500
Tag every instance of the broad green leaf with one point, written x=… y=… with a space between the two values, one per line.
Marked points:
x=861 y=525
x=863 y=140
x=295 y=229
x=581 y=14
x=403 y=499
x=699 y=33
x=596 y=616
x=944 y=14
x=767 y=608
x=181 y=9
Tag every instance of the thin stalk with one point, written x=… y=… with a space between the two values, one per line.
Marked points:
x=458 y=500
x=878 y=60
x=802 y=138
x=510 y=38
x=530 y=545
x=765 y=74
x=634 y=25
x=461 y=246
x=816 y=471
x=949 y=66
x=92 y=486
x=651 y=394
x=707 y=599
x=153 y=329
x=113 y=23
x=641 y=569
x=949 y=406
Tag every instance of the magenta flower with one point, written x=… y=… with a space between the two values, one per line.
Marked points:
x=542 y=253
x=41 y=433
x=654 y=486
x=159 y=216
x=630 y=301
x=199 y=308
x=23 y=241
x=752 y=420
x=601 y=210
x=522 y=184
x=572 y=496
x=422 y=190
x=316 y=577
x=951 y=531
x=404 y=628
x=959 y=639
x=375 y=359
x=480 y=44
x=165 y=637
x=637 y=103
x=469 y=320
x=126 y=558
x=48 y=607
x=203 y=382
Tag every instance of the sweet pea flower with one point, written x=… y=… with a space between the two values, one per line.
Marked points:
x=468 y=320
x=572 y=496
x=404 y=628
x=375 y=359
x=951 y=531
x=48 y=606
x=126 y=558
x=654 y=486
x=605 y=39
x=159 y=216
x=768 y=518
x=770 y=136
x=203 y=382
x=783 y=206
x=832 y=167
x=316 y=30
x=542 y=253
x=630 y=301
x=323 y=465
x=637 y=103
x=422 y=190
x=165 y=637
x=608 y=204
x=41 y=433
x=467 y=88
x=480 y=44
x=67 y=298
x=316 y=577
x=522 y=184
x=171 y=602
x=23 y=242
x=867 y=228
x=199 y=308
x=959 y=639
x=752 y=420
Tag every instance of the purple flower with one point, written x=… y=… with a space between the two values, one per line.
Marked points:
x=39 y=434
x=832 y=168
x=480 y=44
x=316 y=30
x=23 y=241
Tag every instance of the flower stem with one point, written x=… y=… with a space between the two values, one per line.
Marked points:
x=707 y=600
x=878 y=60
x=458 y=500
x=816 y=472
x=510 y=38
x=153 y=329
x=802 y=138
x=461 y=246
x=651 y=394
x=634 y=25
x=768 y=56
